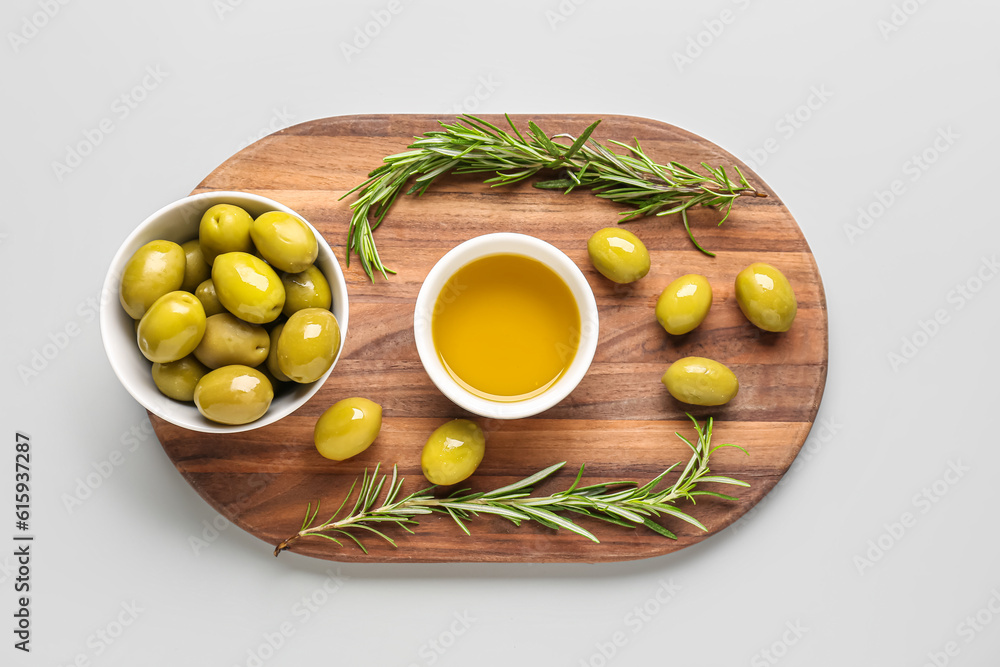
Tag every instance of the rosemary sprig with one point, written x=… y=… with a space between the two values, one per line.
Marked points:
x=472 y=145
x=621 y=503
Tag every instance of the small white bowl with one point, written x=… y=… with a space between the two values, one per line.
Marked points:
x=179 y=222
x=514 y=244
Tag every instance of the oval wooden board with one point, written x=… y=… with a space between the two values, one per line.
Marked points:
x=619 y=421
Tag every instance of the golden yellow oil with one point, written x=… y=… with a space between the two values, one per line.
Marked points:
x=506 y=327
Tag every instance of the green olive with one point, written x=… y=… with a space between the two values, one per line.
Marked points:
x=286 y=242
x=308 y=344
x=233 y=395
x=172 y=327
x=247 y=287
x=766 y=297
x=209 y=299
x=347 y=428
x=700 y=381
x=154 y=270
x=271 y=363
x=229 y=340
x=618 y=255
x=224 y=228
x=306 y=289
x=684 y=304
x=453 y=452
x=196 y=269
x=177 y=379
x=275 y=382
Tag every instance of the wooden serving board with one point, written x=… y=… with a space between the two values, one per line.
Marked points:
x=619 y=421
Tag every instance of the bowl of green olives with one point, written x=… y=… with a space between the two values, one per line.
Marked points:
x=232 y=311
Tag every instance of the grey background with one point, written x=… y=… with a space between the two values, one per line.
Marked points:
x=823 y=572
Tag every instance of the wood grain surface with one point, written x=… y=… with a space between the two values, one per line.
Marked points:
x=619 y=421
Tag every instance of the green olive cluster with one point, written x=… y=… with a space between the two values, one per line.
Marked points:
x=230 y=316
x=763 y=293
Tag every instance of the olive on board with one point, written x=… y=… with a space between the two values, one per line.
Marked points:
x=247 y=287
x=618 y=255
x=229 y=340
x=153 y=270
x=347 y=428
x=684 y=304
x=308 y=344
x=196 y=269
x=177 y=379
x=233 y=395
x=172 y=327
x=453 y=452
x=766 y=297
x=306 y=289
x=209 y=299
x=224 y=228
x=285 y=241
x=700 y=381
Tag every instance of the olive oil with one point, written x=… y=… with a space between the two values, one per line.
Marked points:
x=506 y=327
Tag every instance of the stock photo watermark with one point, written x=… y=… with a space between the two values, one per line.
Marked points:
x=224 y=7
x=33 y=24
x=921 y=503
x=966 y=631
x=779 y=648
x=121 y=108
x=279 y=120
x=8 y=568
x=302 y=611
x=486 y=86
x=102 y=639
x=633 y=623
x=562 y=12
x=713 y=28
x=212 y=530
x=899 y=15
x=38 y=359
x=912 y=170
x=22 y=541
x=957 y=298
x=434 y=648
x=821 y=435
x=56 y=342
x=365 y=34
x=308 y=605
x=788 y=125
x=85 y=487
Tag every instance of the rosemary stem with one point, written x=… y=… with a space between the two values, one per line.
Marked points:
x=624 y=503
x=472 y=145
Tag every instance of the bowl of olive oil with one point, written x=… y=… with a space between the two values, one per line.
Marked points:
x=506 y=325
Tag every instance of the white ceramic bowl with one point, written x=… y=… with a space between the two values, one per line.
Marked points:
x=178 y=222
x=515 y=244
